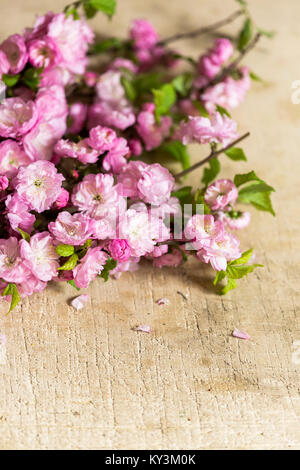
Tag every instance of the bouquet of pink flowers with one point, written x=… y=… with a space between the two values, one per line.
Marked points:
x=82 y=192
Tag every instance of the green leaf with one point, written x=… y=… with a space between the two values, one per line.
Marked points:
x=245 y=177
x=259 y=187
x=106 y=6
x=72 y=283
x=183 y=194
x=222 y=111
x=245 y=35
x=24 y=235
x=200 y=108
x=74 y=13
x=267 y=34
x=11 y=289
x=145 y=82
x=231 y=284
x=89 y=10
x=246 y=256
x=260 y=200
x=109 y=266
x=237 y=272
x=106 y=45
x=236 y=154
x=178 y=151
x=255 y=77
x=10 y=80
x=70 y=263
x=65 y=250
x=164 y=98
x=220 y=275
x=31 y=78
x=129 y=88
x=209 y=174
x=183 y=84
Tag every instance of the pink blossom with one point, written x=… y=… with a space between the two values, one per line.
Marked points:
x=119 y=250
x=235 y=221
x=40 y=256
x=43 y=53
x=38 y=184
x=76 y=118
x=221 y=194
x=12 y=268
x=90 y=78
x=117 y=114
x=3 y=183
x=90 y=266
x=12 y=157
x=129 y=178
x=172 y=259
x=155 y=184
x=97 y=196
x=218 y=252
x=135 y=146
x=102 y=138
x=170 y=207
x=4 y=64
x=142 y=232
x=70 y=229
x=72 y=38
x=62 y=200
x=159 y=250
x=131 y=265
x=229 y=94
x=201 y=229
x=143 y=34
x=109 y=87
x=79 y=302
x=151 y=132
x=120 y=63
x=30 y=285
x=17 y=117
x=15 y=50
x=116 y=158
x=210 y=64
x=18 y=213
x=80 y=150
x=105 y=228
x=204 y=130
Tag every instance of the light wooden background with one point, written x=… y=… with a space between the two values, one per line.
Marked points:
x=86 y=380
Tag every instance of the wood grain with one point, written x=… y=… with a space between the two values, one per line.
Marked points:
x=88 y=381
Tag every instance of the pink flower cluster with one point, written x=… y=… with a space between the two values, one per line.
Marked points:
x=75 y=202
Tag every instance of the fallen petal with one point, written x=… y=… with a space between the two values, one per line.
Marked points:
x=240 y=334
x=163 y=301
x=80 y=301
x=144 y=328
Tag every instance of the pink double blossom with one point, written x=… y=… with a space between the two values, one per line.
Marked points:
x=18 y=213
x=210 y=64
x=238 y=221
x=70 y=229
x=43 y=53
x=39 y=184
x=90 y=267
x=4 y=183
x=147 y=127
x=12 y=268
x=143 y=34
x=202 y=229
x=119 y=250
x=62 y=200
x=221 y=194
x=116 y=158
x=218 y=252
x=79 y=150
x=16 y=53
x=17 y=117
x=102 y=138
x=40 y=256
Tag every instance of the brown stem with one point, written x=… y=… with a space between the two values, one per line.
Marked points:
x=212 y=154
x=203 y=30
x=227 y=70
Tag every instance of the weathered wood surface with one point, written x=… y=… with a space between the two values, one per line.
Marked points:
x=86 y=380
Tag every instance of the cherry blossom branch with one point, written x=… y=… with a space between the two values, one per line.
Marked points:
x=227 y=70
x=213 y=154
x=201 y=31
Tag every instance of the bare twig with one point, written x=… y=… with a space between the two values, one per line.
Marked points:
x=227 y=70
x=203 y=30
x=212 y=154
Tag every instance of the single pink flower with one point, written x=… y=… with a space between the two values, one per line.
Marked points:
x=119 y=250
x=90 y=266
x=118 y=114
x=18 y=213
x=91 y=78
x=12 y=157
x=135 y=146
x=221 y=194
x=40 y=256
x=17 y=117
x=43 y=53
x=62 y=200
x=218 y=252
x=80 y=150
x=30 y=285
x=38 y=184
x=102 y=138
x=12 y=268
x=201 y=229
x=15 y=50
x=143 y=34
x=128 y=179
x=155 y=184
x=147 y=127
x=116 y=158
x=70 y=229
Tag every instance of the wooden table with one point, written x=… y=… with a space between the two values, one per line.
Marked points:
x=86 y=380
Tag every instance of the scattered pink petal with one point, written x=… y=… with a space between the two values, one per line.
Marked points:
x=163 y=301
x=240 y=334
x=80 y=301
x=144 y=328
x=2 y=339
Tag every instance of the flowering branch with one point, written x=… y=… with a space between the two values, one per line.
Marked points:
x=213 y=154
x=200 y=31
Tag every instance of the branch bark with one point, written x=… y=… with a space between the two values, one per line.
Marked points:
x=212 y=154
